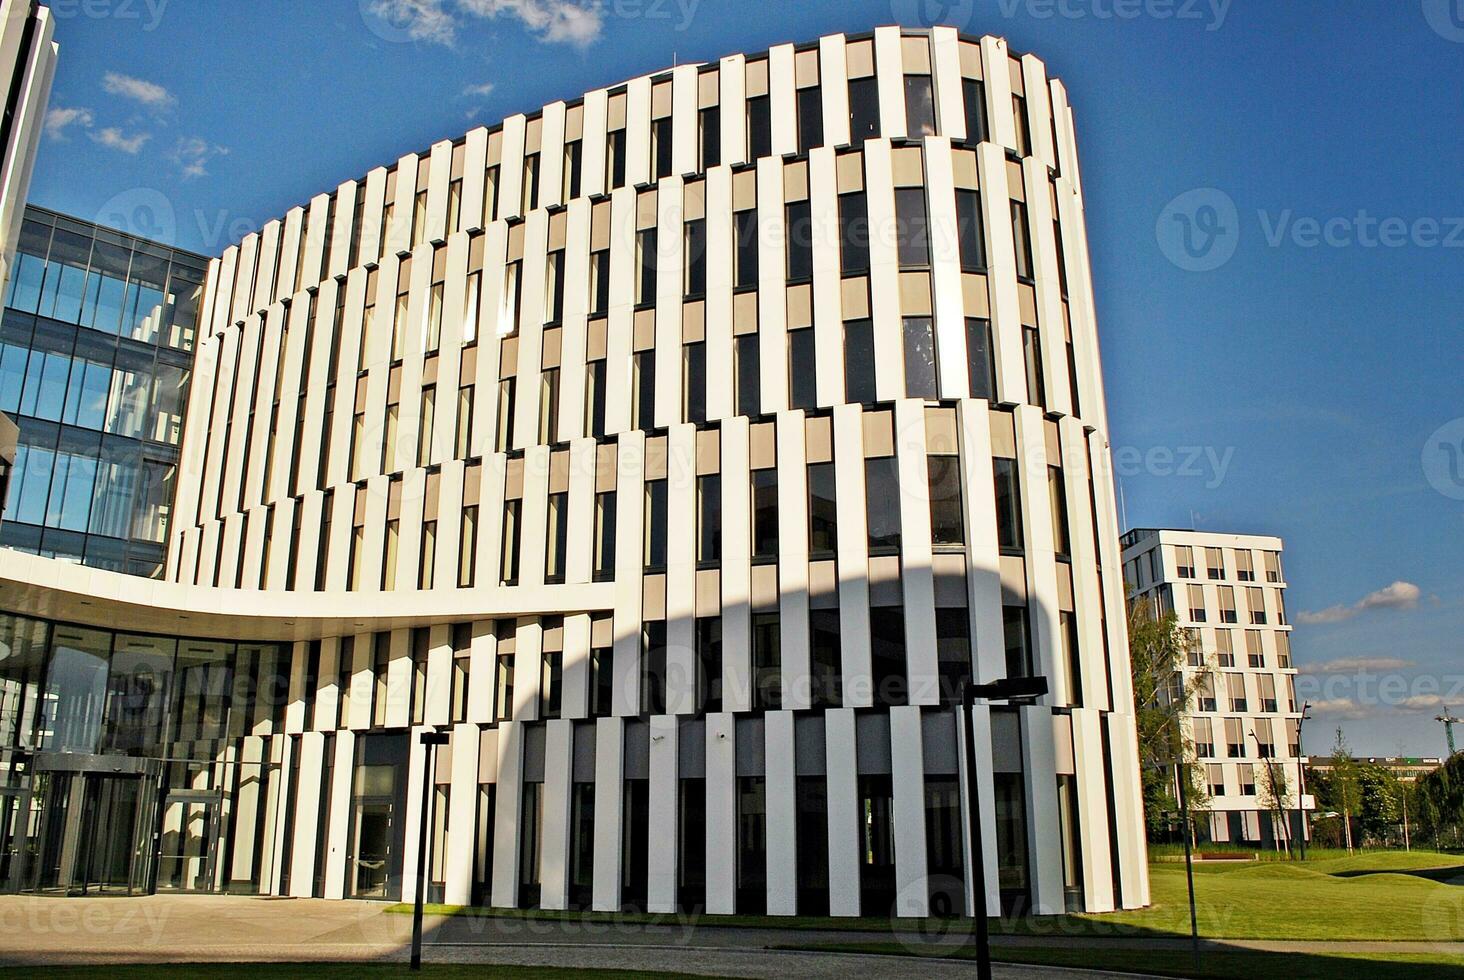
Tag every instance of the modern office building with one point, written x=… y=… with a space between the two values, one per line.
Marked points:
x=96 y=351
x=679 y=450
x=1228 y=593
x=27 y=65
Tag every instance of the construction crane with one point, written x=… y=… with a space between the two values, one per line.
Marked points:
x=1449 y=722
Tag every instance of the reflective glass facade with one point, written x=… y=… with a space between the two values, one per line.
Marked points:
x=95 y=359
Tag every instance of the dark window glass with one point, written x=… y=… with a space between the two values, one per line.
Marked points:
x=863 y=110
x=595 y=397
x=823 y=512
x=810 y=118
x=887 y=654
x=646 y=280
x=1057 y=497
x=799 y=232
x=709 y=518
x=556 y=547
x=615 y=151
x=551 y=693
x=600 y=281
x=1018 y=641
x=602 y=681
x=1008 y=505
x=882 y=501
x=953 y=652
x=764 y=514
x=661 y=139
x=709 y=662
x=767 y=663
x=1019 y=121
x=854 y=233
x=802 y=369
x=979 y=362
x=825 y=664
x=695 y=259
x=645 y=390
x=709 y=121
x=752 y=845
x=749 y=380
x=695 y=402
x=746 y=253
x=653 y=668
x=759 y=128
x=920 y=381
x=1022 y=238
x=859 y=362
x=1032 y=353
x=974 y=94
x=655 y=524
x=573 y=164
x=1073 y=660
x=914 y=227
x=511 y=542
x=919 y=106
x=947 y=524
x=605 y=536
x=969 y=231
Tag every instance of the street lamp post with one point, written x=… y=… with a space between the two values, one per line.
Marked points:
x=1011 y=689
x=430 y=741
x=1301 y=782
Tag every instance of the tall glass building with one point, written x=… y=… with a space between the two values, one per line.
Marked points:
x=95 y=357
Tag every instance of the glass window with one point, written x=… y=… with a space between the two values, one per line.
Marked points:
x=1018 y=641
x=655 y=525
x=661 y=146
x=919 y=106
x=974 y=96
x=970 y=231
x=653 y=667
x=745 y=257
x=709 y=518
x=695 y=261
x=511 y=544
x=694 y=401
x=645 y=284
x=1057 y=500
x=600 y=281
x=859 y=387
x=749 y=378
x=802 y=368
x=823 y=512
x=914 y=227
x=920 y=379
x=1022 y=238
x=709 y=662
x=1032 y=355
x=557 y=539
x=863 y=109
x=595 y=398
x=765 y=515
x=953 y=652
x=759 y=127
x=980 y=364
x=709 y=126
x=767 y=662
x=810 y=118
x=799 y=231
x=605 y=536
x=947 y=523
x=854 y=233
x=644 y=406
x=1008 y=505
x=825 y=659
x=882 y=500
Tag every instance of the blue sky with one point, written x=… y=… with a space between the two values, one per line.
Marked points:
x=1286 y=370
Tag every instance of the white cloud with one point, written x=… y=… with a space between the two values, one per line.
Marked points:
x=420 y=20
x=150 y=94
x=479 y=91
x=1344 y=708
x=113 y=137
x=1357 y=665
x=59 y=120
x=1399 y=595
x=576 y=22
x=193 y=154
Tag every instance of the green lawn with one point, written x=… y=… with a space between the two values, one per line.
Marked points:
x=1213 y=965
x=326 y=971
x=1380 y=896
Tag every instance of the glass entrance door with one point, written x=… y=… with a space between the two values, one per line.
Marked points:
x=109 y=842
x=369 y=861
x=15 y=842
x=190 y=842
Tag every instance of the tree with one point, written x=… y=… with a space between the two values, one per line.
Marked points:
x=1273 y=795
x=1340 y=791
x=1380 y=803
x=1158 y=649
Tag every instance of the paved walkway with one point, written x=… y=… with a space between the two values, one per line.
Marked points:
x=191 y=929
